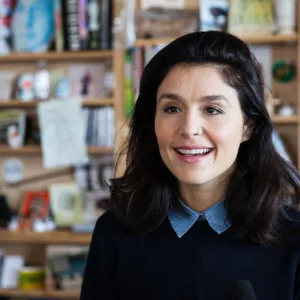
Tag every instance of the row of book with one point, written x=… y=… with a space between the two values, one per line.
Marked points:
x=65 y=267
x=83 y=25
x=100 y=126
x=20 y=127
x=61 y=25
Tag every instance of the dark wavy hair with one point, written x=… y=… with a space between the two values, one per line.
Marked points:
x=263 y=181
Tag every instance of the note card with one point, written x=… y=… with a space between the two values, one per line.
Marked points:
x=62 y=133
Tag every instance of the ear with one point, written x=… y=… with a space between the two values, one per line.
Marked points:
x=248 y=130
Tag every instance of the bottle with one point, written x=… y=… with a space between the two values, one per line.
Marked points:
x=63 y=87
x=42 y=81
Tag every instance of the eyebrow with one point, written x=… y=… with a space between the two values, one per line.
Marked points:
x=177 y=97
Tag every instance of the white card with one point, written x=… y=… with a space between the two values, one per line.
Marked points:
x=62 y=133
x=173 y=4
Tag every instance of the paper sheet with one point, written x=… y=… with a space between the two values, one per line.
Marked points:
x=62 y=133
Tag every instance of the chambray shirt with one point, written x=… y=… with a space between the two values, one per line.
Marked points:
x=182 y=218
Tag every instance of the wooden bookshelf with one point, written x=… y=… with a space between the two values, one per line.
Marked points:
x=56 y=56
x=285 y=120
x=32 y=104
x=44 y=238
x=268 y=39
x=36 y=150
x=40 y=293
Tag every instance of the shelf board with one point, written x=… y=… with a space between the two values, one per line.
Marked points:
x=41 y=293
x=270 y=39
x=36 y=150
x=285 y=120
x=265 y=39
x=32 y=104
x=56 y=56
x=44 y=238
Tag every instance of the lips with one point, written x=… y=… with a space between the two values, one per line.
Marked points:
x=193 y=154
x=198 y=151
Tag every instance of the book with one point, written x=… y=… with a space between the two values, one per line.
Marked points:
x=247 y=17
x=213 y=15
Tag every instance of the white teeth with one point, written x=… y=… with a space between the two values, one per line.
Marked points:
x=193 y=151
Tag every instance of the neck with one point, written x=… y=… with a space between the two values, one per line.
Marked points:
x=200 y=199
x=203 y=196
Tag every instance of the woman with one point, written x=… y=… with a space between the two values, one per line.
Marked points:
x=203 y=201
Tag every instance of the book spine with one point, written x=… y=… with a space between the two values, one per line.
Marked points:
x=59 y=38
x=83 y=24
x=71 y=26
x=94 y=24
x=106 y=17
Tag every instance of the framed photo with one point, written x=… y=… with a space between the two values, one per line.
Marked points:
x=66 y=204
x=35 y=207
x=213 y=15
x=36 y=202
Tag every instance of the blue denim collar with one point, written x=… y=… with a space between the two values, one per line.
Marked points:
x=182 y=217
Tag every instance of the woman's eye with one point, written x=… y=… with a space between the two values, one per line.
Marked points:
x=212 y=110
x=171 y=110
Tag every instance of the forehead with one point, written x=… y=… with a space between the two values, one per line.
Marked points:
x=200 y=79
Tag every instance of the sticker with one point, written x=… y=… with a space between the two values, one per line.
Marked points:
x=284 y=70
x=13 y=170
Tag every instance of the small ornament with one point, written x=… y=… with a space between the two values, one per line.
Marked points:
x=25 y=87
x=272 y=102
x=13 y=170
x=284 y=70
x=63 y=88
x=286 y=111
x=14 y=138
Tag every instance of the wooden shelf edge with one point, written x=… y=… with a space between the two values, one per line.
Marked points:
x=44 y=238
x=89 y=102
x=285 y=120
x=56 y=56
x=37 y=150
x=264 y=39
x=39 y=293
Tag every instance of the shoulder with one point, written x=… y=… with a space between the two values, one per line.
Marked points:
x=108 y=225
x=291 y=218
x=291 y=227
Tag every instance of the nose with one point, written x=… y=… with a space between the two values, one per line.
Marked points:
x=191 y=125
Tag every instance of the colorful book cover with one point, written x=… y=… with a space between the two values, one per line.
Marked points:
x=129 y=82
x=247 y=17
x=59 y=35
x=213 y=15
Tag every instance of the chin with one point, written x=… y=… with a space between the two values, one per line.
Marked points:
x=193 y=180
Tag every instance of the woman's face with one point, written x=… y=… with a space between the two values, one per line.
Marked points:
x=199 y=125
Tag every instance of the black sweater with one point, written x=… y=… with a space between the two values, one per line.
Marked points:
x=200 y=265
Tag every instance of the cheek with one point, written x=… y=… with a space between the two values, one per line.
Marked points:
x=229 y=136
x=163 y=131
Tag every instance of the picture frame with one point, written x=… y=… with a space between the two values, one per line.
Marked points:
x=35 y=207
x=66 y=204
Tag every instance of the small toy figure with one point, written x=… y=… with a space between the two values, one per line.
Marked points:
x=86 y=81
x=25 y=87
x=5 y=20
x=14 y=138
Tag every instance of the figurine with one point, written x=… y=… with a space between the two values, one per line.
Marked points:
x=25 y=87
x=286 y=110
x=272 y=102
x=5 y=28
x=14 y=138
x=86 y=81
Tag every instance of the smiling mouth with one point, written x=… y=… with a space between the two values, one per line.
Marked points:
x=194 y=152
